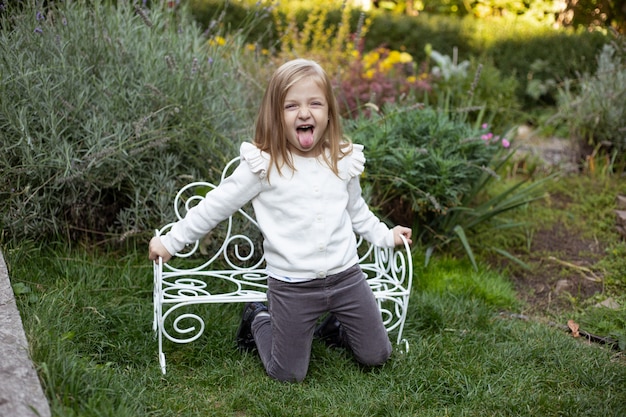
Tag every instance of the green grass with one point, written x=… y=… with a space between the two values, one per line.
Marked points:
x=88 y=318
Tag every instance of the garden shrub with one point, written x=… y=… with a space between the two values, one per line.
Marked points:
x=412 y=34
x=421 y=162
x=378 y=77
x=430 y=170
x=475 y=89
x=331 y=43
x=541 y=61
x=106 y=111
x=594 y=106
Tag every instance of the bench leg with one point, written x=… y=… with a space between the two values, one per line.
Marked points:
x=157 y=324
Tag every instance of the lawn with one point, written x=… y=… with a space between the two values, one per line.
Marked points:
x=88 y=313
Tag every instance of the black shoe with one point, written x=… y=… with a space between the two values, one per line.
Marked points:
x=244 y=338
x=331 y=332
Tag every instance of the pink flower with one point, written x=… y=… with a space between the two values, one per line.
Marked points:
x=484 y=126
x=506 y=143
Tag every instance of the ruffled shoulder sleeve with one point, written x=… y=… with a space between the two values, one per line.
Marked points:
x=257 y=160
x=356 y=164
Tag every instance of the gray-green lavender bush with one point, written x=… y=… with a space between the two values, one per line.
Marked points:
x=106 y=110
x=594 y=106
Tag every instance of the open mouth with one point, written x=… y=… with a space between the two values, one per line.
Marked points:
x=305 y=135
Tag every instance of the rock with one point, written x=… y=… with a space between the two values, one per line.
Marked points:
x=620 y=222
x=609 y=303
x=562 y=285
x=559 y=153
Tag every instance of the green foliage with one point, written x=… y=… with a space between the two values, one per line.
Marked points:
x=320 y=36
x=104 y=109
x=419 y=161
x=515 y=46
x=587 y=13
x=542 y=60
x=430 y=170
x=474 y=89
x=414 y=34
x=520 y=45
x=232 y=17
x=594 y=107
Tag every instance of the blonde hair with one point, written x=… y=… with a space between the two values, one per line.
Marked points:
x=270 y=124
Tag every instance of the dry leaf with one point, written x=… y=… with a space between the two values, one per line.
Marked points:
x=573 y=326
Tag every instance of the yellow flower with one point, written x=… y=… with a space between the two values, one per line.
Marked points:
x=411 y=79
x=217 y=41
x=370 y=59
x=369 y=74
x=405 y=58
x=386 y=65
x=251 y=47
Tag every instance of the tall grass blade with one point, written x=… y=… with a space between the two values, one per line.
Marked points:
x=461 y=234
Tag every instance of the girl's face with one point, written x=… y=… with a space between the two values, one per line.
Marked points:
x=305 y=113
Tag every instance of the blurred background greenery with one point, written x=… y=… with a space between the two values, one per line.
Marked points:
x=107 y=109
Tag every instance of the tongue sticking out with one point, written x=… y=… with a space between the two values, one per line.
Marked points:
x=305 y=137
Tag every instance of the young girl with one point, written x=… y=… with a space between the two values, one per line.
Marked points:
x=302 y=177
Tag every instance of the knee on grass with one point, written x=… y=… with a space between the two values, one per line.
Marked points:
x=375 y=358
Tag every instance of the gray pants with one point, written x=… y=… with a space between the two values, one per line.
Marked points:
x=284 y=338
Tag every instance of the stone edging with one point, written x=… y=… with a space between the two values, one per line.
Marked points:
x=21 y=394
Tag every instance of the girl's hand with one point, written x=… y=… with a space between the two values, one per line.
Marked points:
x=401 y=231
x=156 y=249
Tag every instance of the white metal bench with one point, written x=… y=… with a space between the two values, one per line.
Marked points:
x=228 y=267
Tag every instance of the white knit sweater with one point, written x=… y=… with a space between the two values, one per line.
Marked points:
x=307 y=217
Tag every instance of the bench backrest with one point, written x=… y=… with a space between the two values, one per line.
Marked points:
x=232 y=254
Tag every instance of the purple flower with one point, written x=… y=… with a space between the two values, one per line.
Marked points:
x=38 y=30
x=40 y=16
x=210 y=60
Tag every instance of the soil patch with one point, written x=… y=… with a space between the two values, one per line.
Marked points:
x=562 y=271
